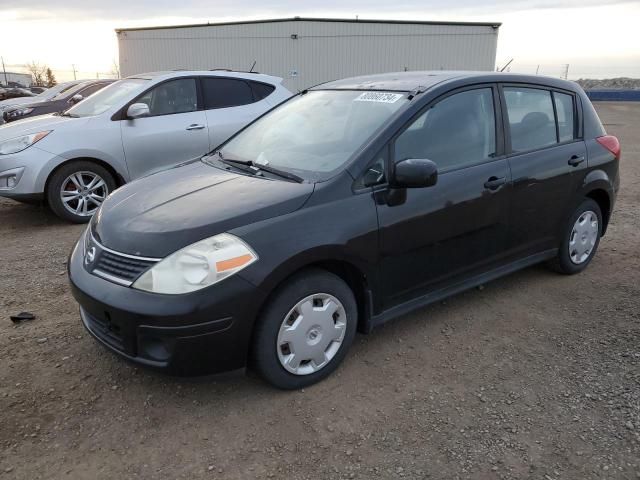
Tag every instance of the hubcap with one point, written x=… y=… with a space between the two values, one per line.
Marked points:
x=82 y=193
x=583 y=237
x=311 y=334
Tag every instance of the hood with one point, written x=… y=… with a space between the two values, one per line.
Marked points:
x=12 y=102
x=161 y=213
x=38 y=124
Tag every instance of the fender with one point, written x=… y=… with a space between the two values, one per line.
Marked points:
x=594 y=181
x=597 y=179
x=57 y=161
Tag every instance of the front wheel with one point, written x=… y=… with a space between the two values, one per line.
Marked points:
x=305 y=330
x=76 y=191
x=581 y=239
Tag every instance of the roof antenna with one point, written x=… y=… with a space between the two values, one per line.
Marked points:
x=507 y=64
x=254 y=64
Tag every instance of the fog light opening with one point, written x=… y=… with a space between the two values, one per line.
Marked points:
x=154 y=348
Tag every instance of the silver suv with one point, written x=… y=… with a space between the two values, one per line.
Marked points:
x=132 y=128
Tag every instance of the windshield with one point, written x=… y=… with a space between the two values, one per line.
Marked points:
x=112 y=95
x=68 y=91
x=57 y=90
x=314 y=134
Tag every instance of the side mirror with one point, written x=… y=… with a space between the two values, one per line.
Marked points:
x=415 y=173
x=138 y=110
x=76 y=98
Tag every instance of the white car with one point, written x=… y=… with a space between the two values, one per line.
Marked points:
x=132 y=128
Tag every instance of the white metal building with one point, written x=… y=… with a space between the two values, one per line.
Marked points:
x=308 y=51
x=23 y=79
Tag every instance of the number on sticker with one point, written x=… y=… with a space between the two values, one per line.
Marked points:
x=382 y=97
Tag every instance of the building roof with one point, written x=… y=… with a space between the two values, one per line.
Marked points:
x=309 y=19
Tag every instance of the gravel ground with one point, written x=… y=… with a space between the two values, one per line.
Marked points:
x=536 y=375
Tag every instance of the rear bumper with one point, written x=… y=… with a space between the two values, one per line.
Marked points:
x=199 y=333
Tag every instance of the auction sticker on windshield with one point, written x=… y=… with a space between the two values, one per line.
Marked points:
x=381 y=97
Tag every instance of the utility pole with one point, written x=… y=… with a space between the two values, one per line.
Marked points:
x=566 y=71
x=537 y=69
x=74 y=71
x=6 y=82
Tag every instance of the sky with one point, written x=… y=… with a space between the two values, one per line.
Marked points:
x=597 y=38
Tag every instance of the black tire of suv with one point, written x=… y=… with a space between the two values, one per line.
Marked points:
x=562 y=262
x=59 y=176
x=264 y=355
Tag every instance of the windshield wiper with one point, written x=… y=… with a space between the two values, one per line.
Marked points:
x=257 y=167
x=70 y=115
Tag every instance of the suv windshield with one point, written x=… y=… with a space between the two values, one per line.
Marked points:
x=104 y=99
x=315 y=133
x=56 y=90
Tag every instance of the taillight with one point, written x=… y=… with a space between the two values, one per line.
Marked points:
x=611 y=143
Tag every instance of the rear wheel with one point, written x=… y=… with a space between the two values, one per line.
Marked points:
x=305 y=330
x=76 y=191
x=581 y=239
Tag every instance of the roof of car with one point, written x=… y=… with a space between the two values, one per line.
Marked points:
x=162 y=75
x=424 y=80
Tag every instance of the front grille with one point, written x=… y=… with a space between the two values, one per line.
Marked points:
x=114 y=266
x=105 y=330
x=124 y=268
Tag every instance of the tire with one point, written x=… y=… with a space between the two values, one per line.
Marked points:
x=318 y=333
x=73 y=177
x=573 y=258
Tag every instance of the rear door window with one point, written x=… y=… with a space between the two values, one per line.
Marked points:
x=565 y=111
x=225 y=92
x=531 y=118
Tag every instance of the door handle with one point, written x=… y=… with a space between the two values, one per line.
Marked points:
x=195 y=126
x=576 y=160
x=495 y=183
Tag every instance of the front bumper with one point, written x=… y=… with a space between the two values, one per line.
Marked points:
x=198 y=333
x=30 y=169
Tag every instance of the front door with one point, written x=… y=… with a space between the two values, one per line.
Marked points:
x=174 y=132
x=458 y=226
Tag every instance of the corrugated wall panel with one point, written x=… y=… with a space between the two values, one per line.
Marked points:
x=322 y=51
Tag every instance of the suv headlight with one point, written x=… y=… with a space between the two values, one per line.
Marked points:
x=19 y=112
x=197 y=266
x=17 y=144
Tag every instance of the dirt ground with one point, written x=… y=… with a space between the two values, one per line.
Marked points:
x=536 y=375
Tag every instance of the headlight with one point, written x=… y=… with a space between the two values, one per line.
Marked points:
x=197 y=266
x=19 y=112
x=17 y=144
x=86 y=237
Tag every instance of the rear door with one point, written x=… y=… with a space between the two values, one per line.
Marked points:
x=174 y=132
x=232 y=103
x=440 y=234
x=546 y=157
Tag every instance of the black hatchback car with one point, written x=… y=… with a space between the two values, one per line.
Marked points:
x=349 y=204
x=62 y=101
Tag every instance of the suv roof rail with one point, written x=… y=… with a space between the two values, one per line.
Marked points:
x=230 y=70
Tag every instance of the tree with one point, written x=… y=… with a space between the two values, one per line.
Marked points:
x=51 y=78
x=37 y=71
x=115 y=69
